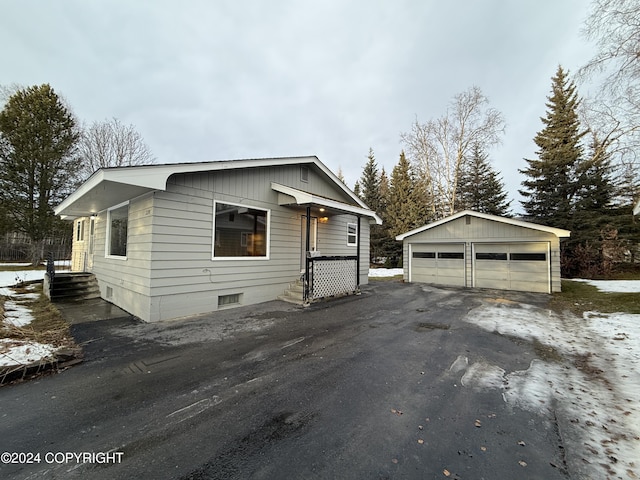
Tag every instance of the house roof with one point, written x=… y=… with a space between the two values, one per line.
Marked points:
x=111 y=186
x=509 y=221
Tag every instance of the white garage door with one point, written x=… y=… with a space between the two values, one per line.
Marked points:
x=437 y=263
x=512 y=266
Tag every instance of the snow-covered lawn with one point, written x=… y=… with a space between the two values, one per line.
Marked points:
x=592 y=381
x=384 y=272
x=17 y=353
x=626 y=286
x=8 y=279
x=17 y=313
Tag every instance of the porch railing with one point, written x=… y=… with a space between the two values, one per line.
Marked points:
x=331 y=276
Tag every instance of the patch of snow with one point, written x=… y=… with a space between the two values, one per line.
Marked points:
x=8 y=279
x=613 y=286
x=384 y=272
x=595 y=388
x=16 y=352
x=16 y=314
x=9 y=264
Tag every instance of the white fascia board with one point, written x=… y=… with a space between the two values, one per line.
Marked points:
x=559 y=232
x=305 y=198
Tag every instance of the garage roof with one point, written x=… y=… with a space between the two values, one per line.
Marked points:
x=510 y=221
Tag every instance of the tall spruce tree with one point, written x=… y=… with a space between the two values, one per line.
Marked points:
x=369 y=192
x=38 y=137
x=480 y=187
x=552 y=180
x=405 y=207
x=370 y=183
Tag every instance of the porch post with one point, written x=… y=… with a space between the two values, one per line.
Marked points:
x=306 y=251
x=358 y=256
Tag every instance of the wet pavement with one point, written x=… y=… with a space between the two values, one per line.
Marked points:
x=360 y=387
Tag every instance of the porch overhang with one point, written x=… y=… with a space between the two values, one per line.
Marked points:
x=292 y=196
x=106 y=188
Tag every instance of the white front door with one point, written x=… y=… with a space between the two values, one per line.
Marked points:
x=313 y=239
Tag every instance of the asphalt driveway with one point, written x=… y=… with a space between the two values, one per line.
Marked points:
x=371 y=386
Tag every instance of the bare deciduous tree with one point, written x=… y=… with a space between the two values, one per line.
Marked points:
x=439 y=147
x=614 y=26
x=112 y=144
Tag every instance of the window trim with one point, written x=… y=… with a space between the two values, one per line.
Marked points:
x=355 y=234
x=242 y=258
x=107 y=243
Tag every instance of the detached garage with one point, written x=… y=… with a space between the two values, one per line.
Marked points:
x=472 y=249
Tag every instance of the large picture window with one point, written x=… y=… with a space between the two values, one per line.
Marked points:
x=240 y=231
x=117 y=223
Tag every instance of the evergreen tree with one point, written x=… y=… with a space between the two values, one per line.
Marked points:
x=38 y=168
x=596 y=188
x=480 y=187
x=370 y=183
x=406 y=207
x=383 y=193
x=552 y=183
x=369 y=190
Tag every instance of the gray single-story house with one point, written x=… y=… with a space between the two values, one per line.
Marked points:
x=167 y=241
x=472 y=249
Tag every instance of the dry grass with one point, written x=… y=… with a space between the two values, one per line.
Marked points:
x=580 y=297
x=48 y=327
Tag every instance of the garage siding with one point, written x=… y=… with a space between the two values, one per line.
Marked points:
x=470 y=232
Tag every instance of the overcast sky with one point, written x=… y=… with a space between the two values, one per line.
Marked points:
x=215 y=80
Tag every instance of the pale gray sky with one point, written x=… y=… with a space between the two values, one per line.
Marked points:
x=213 y=80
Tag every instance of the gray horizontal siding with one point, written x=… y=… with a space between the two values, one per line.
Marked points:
x=479 y=229
x=169 y=271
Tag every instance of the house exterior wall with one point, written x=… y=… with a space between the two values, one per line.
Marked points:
x=480 y=230
x=169 y=270
x=126 y=282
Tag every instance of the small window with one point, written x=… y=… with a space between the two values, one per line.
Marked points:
x=240 y=231
x=424 y=254
x=117 y=225
x=352 y=234
x=451 y=255
x=491 y=256
x=224 y=300
x=304 y=173
x=80 y=231
x=531 y=257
